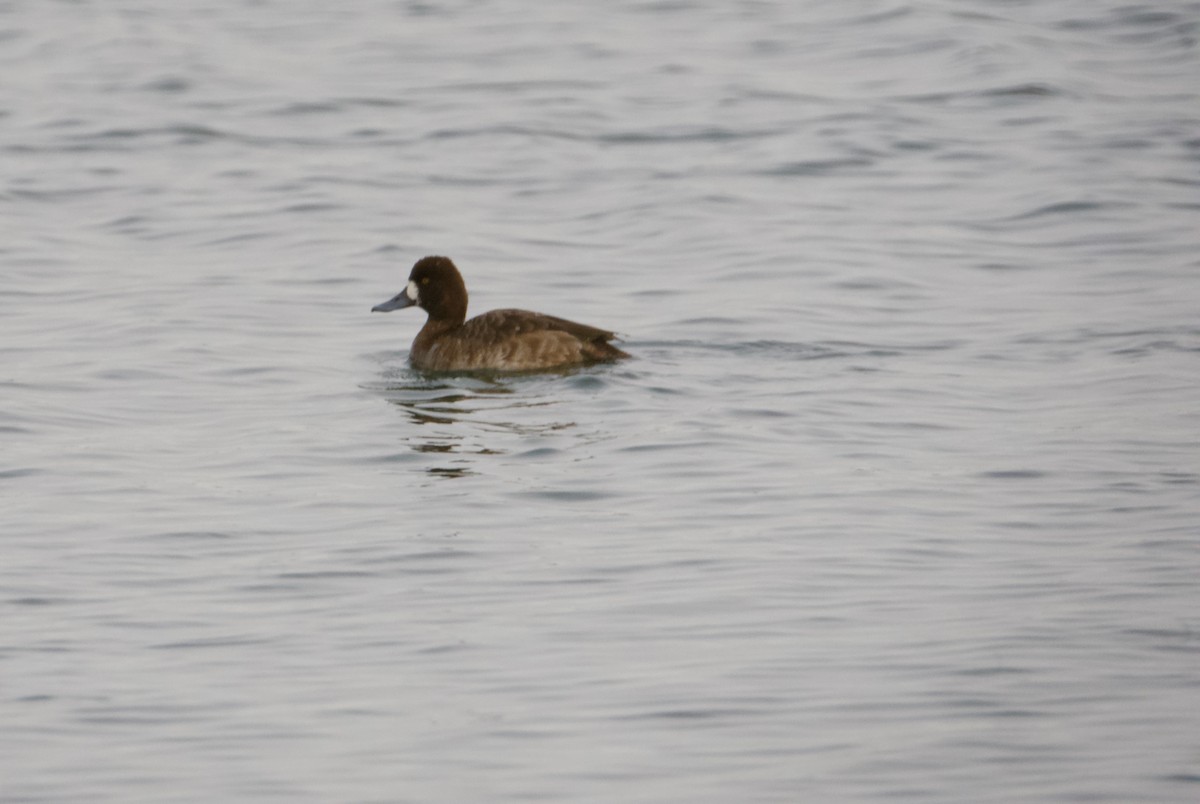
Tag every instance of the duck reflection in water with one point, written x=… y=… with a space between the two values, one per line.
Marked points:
x=464 y=418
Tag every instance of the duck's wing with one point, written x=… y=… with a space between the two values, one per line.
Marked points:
x=499 y=324
x=524 y=339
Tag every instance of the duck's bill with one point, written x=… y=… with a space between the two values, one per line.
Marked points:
x=397 y=302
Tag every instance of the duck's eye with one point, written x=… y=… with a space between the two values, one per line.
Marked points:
x=424 y=280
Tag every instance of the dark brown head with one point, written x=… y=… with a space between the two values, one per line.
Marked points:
x=434 y=285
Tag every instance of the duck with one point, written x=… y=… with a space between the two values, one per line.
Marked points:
x=498 y=340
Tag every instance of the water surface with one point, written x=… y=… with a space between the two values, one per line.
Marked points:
x=898 y=499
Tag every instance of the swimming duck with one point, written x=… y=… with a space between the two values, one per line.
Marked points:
x=503 y=340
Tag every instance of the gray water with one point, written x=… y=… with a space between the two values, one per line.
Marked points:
x=900 y=498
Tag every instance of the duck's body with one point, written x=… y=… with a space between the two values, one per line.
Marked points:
x=500 y=340
x=510 y=340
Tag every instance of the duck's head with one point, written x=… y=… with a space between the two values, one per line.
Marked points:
x=434 y=285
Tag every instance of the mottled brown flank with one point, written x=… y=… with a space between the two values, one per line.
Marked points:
x=505 y=340
x=511 y=340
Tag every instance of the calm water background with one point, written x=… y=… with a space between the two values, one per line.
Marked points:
x=901 y=498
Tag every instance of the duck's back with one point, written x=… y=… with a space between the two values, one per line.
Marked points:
x=513 y=340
